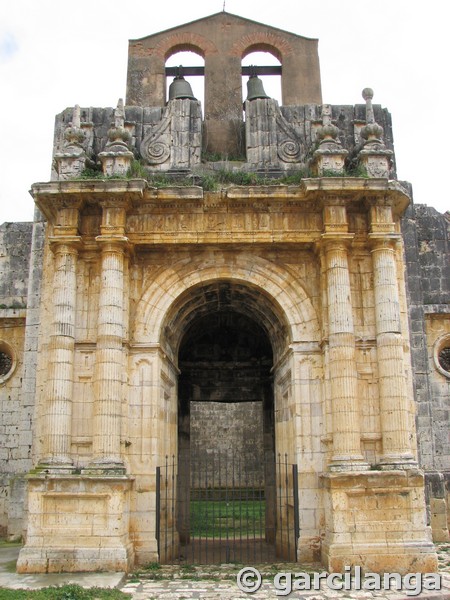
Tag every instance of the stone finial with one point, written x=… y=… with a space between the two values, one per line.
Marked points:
x=118 y=136
x=372 y=133
x=119 y=114
x=367 y=94
x=72 y=160
x=74 y=136
x=116 y=158
x=374 y=156
x=330 y=155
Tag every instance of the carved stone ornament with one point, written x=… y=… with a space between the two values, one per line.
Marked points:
x=154 y=148
x=289 y=148
x=72 y=160
x=374 y=156
x=330 y=155
x=117 y=157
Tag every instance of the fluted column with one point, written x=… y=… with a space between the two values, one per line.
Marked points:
x=343 y=378
x=59 y=388
x=109 y=365
x=394 y=405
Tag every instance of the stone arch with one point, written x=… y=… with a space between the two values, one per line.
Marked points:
x=285 y=308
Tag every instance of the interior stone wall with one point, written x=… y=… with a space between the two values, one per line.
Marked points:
x=229 y=434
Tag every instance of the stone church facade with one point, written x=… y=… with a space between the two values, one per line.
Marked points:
x=310 y=306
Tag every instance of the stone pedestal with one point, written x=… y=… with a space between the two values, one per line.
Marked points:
x=376 y=520
x=77 y=523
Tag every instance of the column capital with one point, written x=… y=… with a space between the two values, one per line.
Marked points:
x=379 y=240
x=114 y=243
x=69 y=244
x=340 y=240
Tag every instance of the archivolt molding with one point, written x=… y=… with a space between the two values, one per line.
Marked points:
x=287 y=298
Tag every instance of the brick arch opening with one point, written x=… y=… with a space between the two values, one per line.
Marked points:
x=187 y=55
x=263 y=47
x=264 y=55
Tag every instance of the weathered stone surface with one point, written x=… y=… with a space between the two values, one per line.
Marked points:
x=15 y=243
x=146 y=304
x=427 y=252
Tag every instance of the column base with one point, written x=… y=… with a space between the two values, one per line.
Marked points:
x=55 y=467
x=399 y=461
x=105 y=468
x=343 y=464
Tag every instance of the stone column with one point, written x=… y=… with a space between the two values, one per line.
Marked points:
x=343 y=378
x=109 y=365
x=395 y=417
x=59 y=387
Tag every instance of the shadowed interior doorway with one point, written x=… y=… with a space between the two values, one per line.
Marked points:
x=226 y=439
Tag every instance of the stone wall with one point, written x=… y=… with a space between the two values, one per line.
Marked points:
x=168 y=139
x=427 y=251
x=231 y=434
x=15 y=242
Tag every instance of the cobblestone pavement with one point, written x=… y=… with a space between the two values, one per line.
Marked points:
x=219 y=582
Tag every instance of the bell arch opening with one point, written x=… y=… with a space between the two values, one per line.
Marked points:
x=263 y=59
x=187 y=56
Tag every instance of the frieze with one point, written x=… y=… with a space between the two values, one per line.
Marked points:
x=195 y=224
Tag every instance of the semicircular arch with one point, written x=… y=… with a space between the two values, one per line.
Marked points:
x=262 y=41
x=178 y=42
x=284 y=308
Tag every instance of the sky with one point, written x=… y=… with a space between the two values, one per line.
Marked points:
x=57 y=54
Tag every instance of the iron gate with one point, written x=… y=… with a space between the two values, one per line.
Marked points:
x=214 y=509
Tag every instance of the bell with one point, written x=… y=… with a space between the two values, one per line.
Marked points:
x=255 y=88
x=180 y=88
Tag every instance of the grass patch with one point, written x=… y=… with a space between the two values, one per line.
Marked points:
x=12 y=543
x=64 y=592
x=227 y=518
x=215 y=180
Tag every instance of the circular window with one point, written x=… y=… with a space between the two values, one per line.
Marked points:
x=7 y=361
x=442 y=355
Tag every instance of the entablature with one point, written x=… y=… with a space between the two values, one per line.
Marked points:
x=239 y=214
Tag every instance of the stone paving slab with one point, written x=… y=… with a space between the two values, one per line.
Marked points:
x=213 y=582
x=228 y=590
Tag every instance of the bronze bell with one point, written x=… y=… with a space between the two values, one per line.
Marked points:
x=255 y=88
x=180 y=88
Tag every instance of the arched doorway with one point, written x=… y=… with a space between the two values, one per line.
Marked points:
x=227 y=494
x=226 y=439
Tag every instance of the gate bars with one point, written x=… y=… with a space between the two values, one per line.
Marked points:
x=214 y=509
